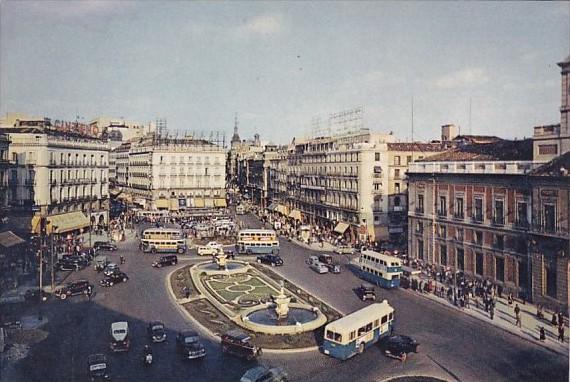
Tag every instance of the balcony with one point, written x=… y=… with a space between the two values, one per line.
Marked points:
x=458 y=216
x=478 y=219
x=522 y=224
x=498 y=220
x=419 y=211
x=479 y=167
x=550 y=229
x=442 y=214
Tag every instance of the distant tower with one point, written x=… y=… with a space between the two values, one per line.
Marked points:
x=449 y=132
x=235 y=138
x=256 y=140
x=161 y=129
x=565 y=106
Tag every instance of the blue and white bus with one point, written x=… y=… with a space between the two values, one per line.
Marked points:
x=352 y=334
x=380 y=269
x=257 y=242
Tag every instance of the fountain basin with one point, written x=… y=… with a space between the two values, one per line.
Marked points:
x=301 y=318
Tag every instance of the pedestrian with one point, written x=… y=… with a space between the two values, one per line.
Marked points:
x=554 y=321
x=542 y=334
x=518 y=316
x=561 y=333
x=560 y=318
x=491 y=311
x=539 y=313
x=510 y=299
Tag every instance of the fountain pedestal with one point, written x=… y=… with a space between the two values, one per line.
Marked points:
x=281 y=304
x=221 y=259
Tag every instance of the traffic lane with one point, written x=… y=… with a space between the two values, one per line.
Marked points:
x=448 y=335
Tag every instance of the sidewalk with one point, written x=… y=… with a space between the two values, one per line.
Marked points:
x=504 y=318
x=327 y=247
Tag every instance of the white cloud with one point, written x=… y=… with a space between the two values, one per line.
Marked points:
x=263 y=24
x=465 y=77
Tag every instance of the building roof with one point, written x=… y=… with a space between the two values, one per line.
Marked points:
x=477 y=138
x=501 y=150
x=559 y=166
x=415 y=146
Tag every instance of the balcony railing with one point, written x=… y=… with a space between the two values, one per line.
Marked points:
x=477 y=219
x=419 y=211
x=549 y=229
x=522 y=224
x=498 y=220
x=441 y=213
x=458 y=216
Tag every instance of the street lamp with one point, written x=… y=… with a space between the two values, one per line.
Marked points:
x=53 y=228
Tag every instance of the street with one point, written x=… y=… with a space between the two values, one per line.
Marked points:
x=452 y=346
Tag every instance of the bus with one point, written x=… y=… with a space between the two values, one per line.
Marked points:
x=353 y=333
x=164 y=246
x=380 y=269
x=161 y=233
x=257 y=234
x=151 y=215
x=258 y=247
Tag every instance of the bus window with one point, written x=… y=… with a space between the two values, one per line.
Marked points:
x=352 y=335
x=330 y=335
x=391 y=316
x=384 y=319
x=337 y=337
x=361 y=331
x=376 y=323
x=369 y=327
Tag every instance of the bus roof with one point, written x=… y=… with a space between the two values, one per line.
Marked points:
x=251 y=230
x=161 y=230
x=360 y=318
x=382 y=256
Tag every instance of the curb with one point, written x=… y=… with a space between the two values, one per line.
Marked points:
x=526 y=338
x=211 y=335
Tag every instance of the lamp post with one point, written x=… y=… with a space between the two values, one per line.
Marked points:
x=53 y=228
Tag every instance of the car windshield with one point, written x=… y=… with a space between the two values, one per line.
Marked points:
x=190 y=340
x=158 y=327
x=120 y=331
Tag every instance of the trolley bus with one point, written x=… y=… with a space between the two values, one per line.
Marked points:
x=257 y=242
x=380 y=269
x=164 y=246
x=352 y=334
x=161 y=233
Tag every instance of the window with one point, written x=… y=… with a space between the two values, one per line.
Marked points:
x=397 y=188
x=478 y=213
x=352 y=335
x=479 y=263
x=522 y=214
x=420 y=249
x=376 y=323
x=459 y=234
x=499 y=242
x=443 y=231
x=478 y=236
x=460 y=259
x=409 y=159
x=420 y=206
x=397 y=201
x=547 y=149
x=549 y=213
x=499 y=212
x=397 y=173
x=442 y=210
x=384 y=320
x=500 y=268
x=459 y=208
x=420 y=227
x=397 y=160
x=443 y=254
x=377 y=157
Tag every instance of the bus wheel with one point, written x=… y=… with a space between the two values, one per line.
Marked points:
x=361 y=348
x=180 y=251
x=153 y=251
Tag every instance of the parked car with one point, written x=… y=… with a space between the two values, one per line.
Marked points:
x=156 y=331
x=343 y=250
x=165 y=260
x=239 y=344
x=67 y=266
x=114 y=278
x=98 y=370
x=110 y=269
x=100 y=261
x=188 y=343
x=366 y=292
x=396 y=346
x=120 y=336
x=81 y=261
x=264 y=374
x=328 y=261
x=104 y=246
x=319 y=267
x=272 y=260
x=74 y=288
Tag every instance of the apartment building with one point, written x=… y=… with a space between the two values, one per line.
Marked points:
x=174 y=174
x=60 y=171
x=5 y=167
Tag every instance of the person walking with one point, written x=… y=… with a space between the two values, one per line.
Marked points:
x=561 y=332
x=510 y=299
x=517 y=316
x=491 y=311
x=542 y=334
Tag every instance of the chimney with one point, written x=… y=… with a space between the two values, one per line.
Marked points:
x=449 y=132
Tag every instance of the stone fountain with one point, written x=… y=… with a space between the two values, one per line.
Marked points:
x=221 y=259
x=281 y=304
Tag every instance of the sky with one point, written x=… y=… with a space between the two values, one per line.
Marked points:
x=280 y=64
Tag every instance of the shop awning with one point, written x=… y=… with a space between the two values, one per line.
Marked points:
x=198 y=202
x=295 y=214
x=272 y=207
x=282 y=209
x=173 y=204
x=161 y=203
x=208 y=202
x=9 y=239
x=220 y=203
x=61 y=223
x=341 y=227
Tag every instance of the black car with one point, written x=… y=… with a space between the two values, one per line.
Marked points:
x=104 y=246
x=156 y=331
x=98 y=368
x=67 y=266
x=366 y=292
x=272 y=260
x=396 y=346
x=188 y=343
x=74 y=288
x=114 y=278
x=165 y=260
x=80 y=260
x=239 y=344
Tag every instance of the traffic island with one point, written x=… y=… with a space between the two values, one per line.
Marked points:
x=272 y=310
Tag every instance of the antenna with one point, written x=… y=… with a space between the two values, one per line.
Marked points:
x=412 y=128
x=469 y=116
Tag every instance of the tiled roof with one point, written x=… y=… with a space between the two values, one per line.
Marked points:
x=477 y=138
x=559 y=166
x=416 y=146
x=501 y=150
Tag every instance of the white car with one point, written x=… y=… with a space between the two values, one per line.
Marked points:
x=205 y=250
x=343 y=249
x=215 y=244
x=120 y=336
x=319 y=268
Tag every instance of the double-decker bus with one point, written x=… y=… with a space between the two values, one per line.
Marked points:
x=257 y=242
x=380 y=269
x=352 y=334
x=164 y=246
x=151 y=215
x=161 y=233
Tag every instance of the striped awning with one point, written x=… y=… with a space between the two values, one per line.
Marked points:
x=161 y=203
x=220 y=202
x=9 y=239
x=341 y=227
x=61 y=223
x=199 y=202
x=173 y=204
x=208 y=202
x=282 y=209
x=295 y=214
